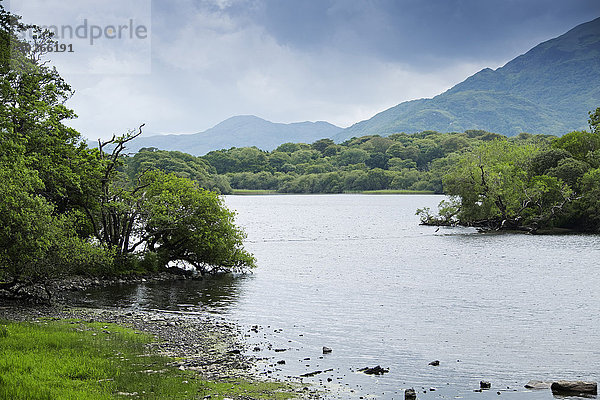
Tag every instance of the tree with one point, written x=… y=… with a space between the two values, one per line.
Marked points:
x=181 y=164
x=46 y=173
x=580 y=144
x=569 y=170
x=492 y=189
x=588 y=205
x=165 y=215
x=321 y=144
x=545 y=160
x=352 y=156
x=179 y=221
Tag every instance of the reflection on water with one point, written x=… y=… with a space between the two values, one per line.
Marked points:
x=214 y=294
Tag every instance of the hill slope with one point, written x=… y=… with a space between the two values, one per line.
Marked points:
x=239 y=131
x=549 y=89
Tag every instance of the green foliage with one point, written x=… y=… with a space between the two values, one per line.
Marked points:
x=546 y=159
x=569 y=170
x=181 y=222
x=525 y=184
x=48 y=176
x=580 y=144
x=588 y=206
x=181 y=164
x=398 y=162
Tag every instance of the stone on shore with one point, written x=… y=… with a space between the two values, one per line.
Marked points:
x=572 y=387
x=327 y=350
x=435 y=363
x=485 y=385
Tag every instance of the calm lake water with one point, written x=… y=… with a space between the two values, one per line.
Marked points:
x=358 y=274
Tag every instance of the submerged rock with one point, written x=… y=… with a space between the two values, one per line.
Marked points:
x=574 y=387
x=410 y=394
x=378 y=370
x=435 y=363
x=327 y=350
x=535 y=384
x=485 y=385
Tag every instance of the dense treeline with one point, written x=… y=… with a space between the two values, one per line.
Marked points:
x=532 y=187
x=67 y=209
x=398 y=162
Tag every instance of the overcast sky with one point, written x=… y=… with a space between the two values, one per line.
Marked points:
x=182 y=66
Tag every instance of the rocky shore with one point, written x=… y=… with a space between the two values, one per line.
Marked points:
x=202 y=343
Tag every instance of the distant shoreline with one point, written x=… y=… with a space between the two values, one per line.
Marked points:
x=245 y=192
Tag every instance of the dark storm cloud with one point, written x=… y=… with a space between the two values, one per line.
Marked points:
x=402 y=30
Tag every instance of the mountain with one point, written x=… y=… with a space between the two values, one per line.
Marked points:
x=549 y=90
x=239 y=131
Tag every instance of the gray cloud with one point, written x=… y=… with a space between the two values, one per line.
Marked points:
x=335 y=60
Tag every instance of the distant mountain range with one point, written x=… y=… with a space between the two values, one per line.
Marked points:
x=548 y=90
x=239 y=131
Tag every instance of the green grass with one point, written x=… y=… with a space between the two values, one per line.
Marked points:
x=77 y=360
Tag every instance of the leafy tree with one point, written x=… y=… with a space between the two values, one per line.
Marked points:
x=580 y=144
x=493 y=190
x=66 y=209
x=546 y=159
x=321 y=144
x=165 y=215
x=377 y=144
x=569 y=170
x=47 y=175
x=588 y=205
x=292 y=147
x=179 y=221
x=277 y=159
x=352 y=156
x=377 y=160
x=303 y=156
x=399 y=150
x=181 y=164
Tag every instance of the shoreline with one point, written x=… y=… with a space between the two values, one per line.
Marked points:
x=202 y=344
x=266 y=192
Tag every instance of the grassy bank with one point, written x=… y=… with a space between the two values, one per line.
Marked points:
x=92 y=360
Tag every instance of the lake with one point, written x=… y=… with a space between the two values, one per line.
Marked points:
x=358 y=274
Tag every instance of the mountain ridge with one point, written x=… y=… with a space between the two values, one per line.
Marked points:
x=238 y=131
x=548 y=89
